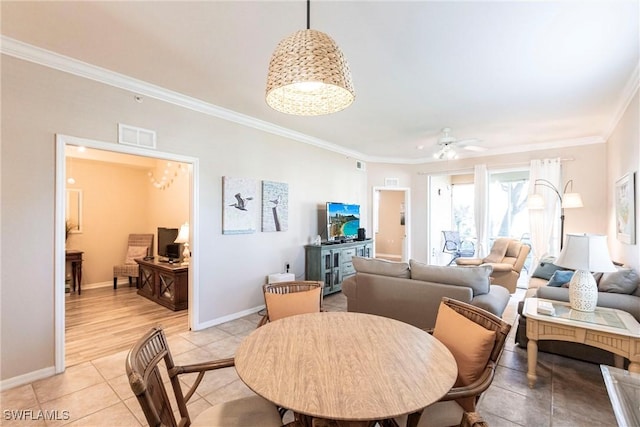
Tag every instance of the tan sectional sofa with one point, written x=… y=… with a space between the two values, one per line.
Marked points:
x=411 y=292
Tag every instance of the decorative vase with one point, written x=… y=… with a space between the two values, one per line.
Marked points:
x=583 y=291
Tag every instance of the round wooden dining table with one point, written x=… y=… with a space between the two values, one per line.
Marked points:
x=342 y=366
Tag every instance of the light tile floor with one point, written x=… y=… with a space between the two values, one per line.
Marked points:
x=96 y=393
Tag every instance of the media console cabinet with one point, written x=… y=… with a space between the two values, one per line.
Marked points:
x=331 y=263
x=164 y=283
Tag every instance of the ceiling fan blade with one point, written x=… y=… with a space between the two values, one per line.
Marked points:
x=475 y=148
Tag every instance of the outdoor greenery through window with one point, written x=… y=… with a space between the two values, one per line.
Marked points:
x=508 y=215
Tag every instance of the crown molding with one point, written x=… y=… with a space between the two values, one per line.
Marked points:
x=27 y=52
x=627 y=95
x=37 y=55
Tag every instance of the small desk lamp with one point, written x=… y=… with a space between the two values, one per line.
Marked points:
x=585 y=253
x=183 y=237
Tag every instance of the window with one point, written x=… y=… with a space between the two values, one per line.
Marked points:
x=462 y=206
x=508 y=214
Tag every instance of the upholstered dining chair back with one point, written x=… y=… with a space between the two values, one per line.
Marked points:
x=284 y=299
x=458 y=337
x=143 y=372
x=136 y=244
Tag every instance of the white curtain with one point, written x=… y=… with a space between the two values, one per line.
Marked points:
x=545 y=223
x=481 y=207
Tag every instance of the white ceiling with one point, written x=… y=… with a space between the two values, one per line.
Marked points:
x=516 y=75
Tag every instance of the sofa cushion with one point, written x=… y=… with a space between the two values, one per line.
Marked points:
x=546 y=268
x=560 y=278
x=623 y=281
x=470 y=343
x=476 y=278
x=381 y=267
x=284 y=305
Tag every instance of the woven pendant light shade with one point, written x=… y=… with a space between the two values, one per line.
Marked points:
x=309 y=76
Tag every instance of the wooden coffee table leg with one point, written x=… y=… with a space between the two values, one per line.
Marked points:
x=532 y=361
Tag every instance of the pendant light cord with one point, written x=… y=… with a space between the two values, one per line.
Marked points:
x=308 y=14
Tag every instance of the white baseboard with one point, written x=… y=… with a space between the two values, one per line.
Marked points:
x=388 y=256
x=228 y=318
x=107 y=284
x=27 y=378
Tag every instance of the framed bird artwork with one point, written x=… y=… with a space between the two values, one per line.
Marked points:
x=240 y=205
x=275 y=206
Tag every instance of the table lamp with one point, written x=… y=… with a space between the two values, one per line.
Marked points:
x=183 y=237
x=585 y=253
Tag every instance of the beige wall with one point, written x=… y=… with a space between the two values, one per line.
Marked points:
x=37 y=103
x=119 y=199
x=587 y=169
x=623 y=157
x=390 y=233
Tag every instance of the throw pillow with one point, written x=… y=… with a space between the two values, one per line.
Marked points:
x=381 y=267
x=134 y=252
x=546 y=268
x=284 y=305
x=469 y=343
x=623 y=281
x=560 y=278
x=476 y=277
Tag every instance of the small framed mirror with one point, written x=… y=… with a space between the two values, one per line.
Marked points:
x=74 y=210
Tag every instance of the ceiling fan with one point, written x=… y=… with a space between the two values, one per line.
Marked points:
x=447 y=144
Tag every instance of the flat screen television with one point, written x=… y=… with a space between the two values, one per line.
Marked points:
x=167 y=249
x=343 y=221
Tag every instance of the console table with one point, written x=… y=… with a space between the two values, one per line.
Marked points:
x=75 y=258
x=331 y=263
x=164 y=283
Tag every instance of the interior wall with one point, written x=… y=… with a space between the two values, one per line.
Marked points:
x=624 y=157
x=587 y=168
x=38 y=103
x=168 y=207
x=390 y=231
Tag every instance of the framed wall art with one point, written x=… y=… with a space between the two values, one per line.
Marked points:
x=275 y=206
x=625 y=194
x=240 y=205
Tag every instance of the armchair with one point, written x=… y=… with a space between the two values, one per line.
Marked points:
x=138 y=246
x=507 y=257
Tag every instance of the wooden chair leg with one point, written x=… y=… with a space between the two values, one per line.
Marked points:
x=130 y=281
x=115 y=283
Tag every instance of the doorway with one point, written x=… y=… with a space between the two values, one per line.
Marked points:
x=62 y=141
x=392 y=223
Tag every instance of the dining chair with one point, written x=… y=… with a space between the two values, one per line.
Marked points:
x=138 y=246
x=142 y=367
x=476 y=339
x=284 y=299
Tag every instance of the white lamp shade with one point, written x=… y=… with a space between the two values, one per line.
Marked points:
x=535 y=201
x=586 y=252
x=572 y=200
x=183 y=234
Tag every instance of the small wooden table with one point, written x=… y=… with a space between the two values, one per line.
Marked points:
x=75 y=257
x=609 y=329
x=353 y=368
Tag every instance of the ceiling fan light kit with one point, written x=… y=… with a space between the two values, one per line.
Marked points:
x=309 y=75
x=447 y=142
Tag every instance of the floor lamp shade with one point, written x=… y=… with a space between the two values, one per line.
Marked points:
x=585 y=253
x=309 y=76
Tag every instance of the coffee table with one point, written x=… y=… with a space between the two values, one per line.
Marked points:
x=352 y=368
x=609 y=329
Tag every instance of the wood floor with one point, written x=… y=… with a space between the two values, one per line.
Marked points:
x=104 y=321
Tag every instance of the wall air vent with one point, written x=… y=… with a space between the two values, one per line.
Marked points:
x=360 y=165
x=392 y=182
x=138 y=137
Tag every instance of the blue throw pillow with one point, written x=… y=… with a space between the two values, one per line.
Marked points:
x=560 y=277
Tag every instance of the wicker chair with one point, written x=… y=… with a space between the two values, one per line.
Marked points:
x=130 y=268
x=284 y=288
x=448 y=411
x=142 y=365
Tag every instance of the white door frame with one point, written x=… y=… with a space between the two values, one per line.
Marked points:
x=406 y=244
x=59 y=238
